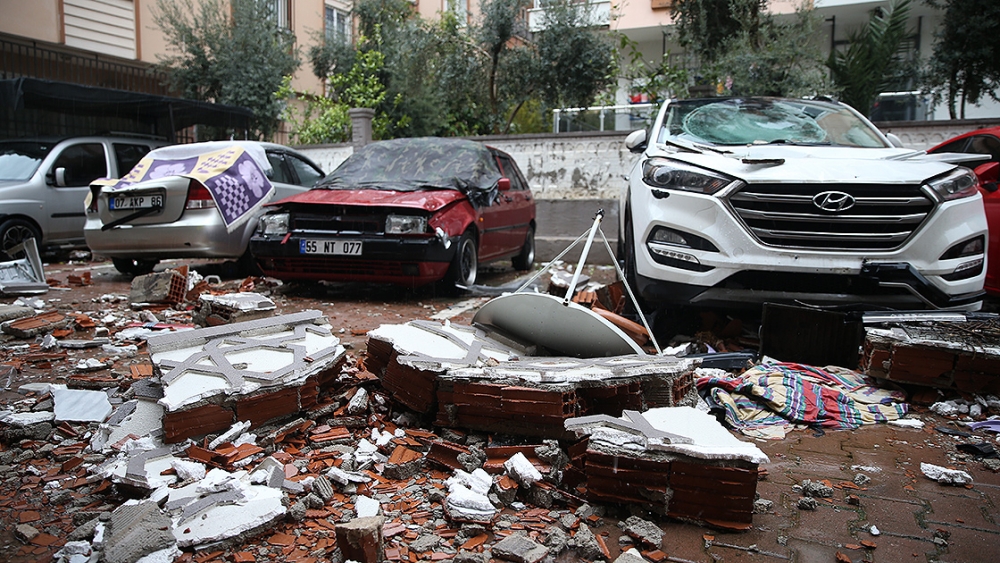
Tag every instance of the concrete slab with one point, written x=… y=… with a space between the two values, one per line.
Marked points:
x=75 y=405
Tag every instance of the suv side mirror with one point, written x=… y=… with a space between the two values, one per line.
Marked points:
x=503 y=184
x=636 y=141
x=60 y=177
x=988 y=175
x=894 y=140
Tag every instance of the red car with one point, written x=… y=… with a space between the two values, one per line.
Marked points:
x=987 y=143
x=408 y=212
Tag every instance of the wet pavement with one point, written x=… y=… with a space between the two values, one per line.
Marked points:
x=873 y=472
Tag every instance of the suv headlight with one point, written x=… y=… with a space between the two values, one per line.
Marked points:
x=273 y=224
x=960 y=182
x=405 y=224
x=673 y=175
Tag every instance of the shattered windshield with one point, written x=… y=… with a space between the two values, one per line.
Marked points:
x=20 y=159
x=417 y=164
x=749 y=121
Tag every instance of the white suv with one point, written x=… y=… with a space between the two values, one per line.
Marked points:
x=741 y=201
x=43 y=184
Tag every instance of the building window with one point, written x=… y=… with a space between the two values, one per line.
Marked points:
x=338 y=26
x=282 y=13
x=461 y=10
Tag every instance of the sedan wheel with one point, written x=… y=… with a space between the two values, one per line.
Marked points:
x=462 y=271
x=526 y=258
x=134 y=266
x=13 y=232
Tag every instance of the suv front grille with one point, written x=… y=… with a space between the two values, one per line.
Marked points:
x=783 y=215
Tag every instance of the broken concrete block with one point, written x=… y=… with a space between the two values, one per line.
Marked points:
x=535 y=396
x=928 y=354
x=229 y=308
x=134 y=531
x=403 y=463
x=944 y=475
x=14 y=312
x=25 y=419
x=519 y=549
x=168 y=286
x=322 y=488
x=361 y=539
x=26 y=532
x=697 y=471
x=30 y=327
x=643 y=531
x=631 y=556
x=253 y=371
x=74 y=405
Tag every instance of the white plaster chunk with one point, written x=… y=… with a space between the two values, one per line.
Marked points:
x=219 y=480
x=24 y=419
x=944 y=475
x=261 y=506
x=77 y=405
x=710 y=439
x=229 y=435
x=191 y=387
x=188 y=469
x=240 y=301
x=262 y=360
x=168 y=555
x=522 y=470
x=367 y=506
x=409 y=339
x=342 y=477
x=145 y=420
x=907 y=423
x=464 y=503
x=477 y=482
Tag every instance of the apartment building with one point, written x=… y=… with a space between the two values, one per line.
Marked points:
x=115 y=44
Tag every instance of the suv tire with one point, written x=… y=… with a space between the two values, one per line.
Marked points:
x=526 y=258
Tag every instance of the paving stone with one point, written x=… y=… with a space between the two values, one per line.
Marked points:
x=519 y=549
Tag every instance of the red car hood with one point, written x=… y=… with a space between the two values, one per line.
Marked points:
x=429 y=200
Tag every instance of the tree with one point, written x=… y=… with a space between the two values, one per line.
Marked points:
x=706 y=26
x=966 y=59
x=868 y=65
x=228 y=52
x=779 y=58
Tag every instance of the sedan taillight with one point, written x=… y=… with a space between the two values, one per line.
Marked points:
x=198 y=197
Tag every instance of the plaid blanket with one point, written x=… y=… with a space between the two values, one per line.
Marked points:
x=232 y=176
x=785 y=394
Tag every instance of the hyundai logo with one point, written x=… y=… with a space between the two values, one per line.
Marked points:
x=833 y=201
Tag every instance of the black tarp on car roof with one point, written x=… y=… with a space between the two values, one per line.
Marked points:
x=417 y=164
x=164 y=114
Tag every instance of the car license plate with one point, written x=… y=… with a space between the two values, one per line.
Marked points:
x=135 y=202
x=338 y=247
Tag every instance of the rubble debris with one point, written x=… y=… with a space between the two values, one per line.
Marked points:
x=534 y=397
x=960 y=356
x=847 y=399
x=703 y=473
x=646 y=532
x=254 y=371
x=229 y=308
x=944 y=475
x=361 y=539
x=168 y=286
x=135 y=530
x=807 y=503
x=30 y=327
x=80 y=406
x=520 y=549
x=24 y=276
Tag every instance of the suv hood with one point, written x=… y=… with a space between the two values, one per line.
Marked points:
x=819 y=164
x=428 y=200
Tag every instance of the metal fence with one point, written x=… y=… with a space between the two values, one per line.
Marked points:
x=603 y=118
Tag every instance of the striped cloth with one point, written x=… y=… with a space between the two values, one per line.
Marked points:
x=784 y=394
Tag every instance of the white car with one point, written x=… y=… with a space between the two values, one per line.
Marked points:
x=165 y=209
x=741 y=201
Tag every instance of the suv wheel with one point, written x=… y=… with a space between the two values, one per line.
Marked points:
x=134 y=266
x=526 y=258
x=13 y=232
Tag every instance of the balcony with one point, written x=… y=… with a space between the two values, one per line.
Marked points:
x=598 y=14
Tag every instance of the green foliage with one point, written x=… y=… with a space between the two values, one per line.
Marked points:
x=576 y=62
x=780 y=58
x=228 y=52
x=706 y=26
x=658 y=80
x=322 y=120
x=868 y=65
x=965 y=65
